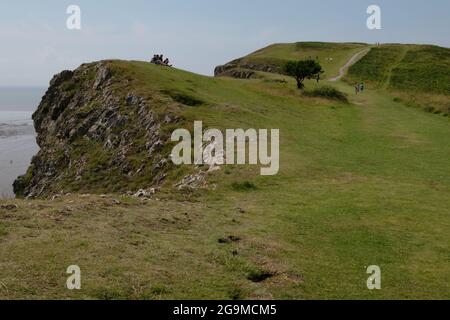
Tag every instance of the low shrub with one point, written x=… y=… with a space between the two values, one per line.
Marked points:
x=327 y=93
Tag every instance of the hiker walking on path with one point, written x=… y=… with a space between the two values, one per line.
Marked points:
x=361 y=87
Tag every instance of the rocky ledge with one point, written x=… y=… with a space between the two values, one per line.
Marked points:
x=242 y=69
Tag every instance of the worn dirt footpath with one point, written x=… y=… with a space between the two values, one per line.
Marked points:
x=349 y=63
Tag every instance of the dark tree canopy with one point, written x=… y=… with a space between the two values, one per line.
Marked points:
x=303 y=69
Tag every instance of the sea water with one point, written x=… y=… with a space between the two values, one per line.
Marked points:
x=17 y=147
x=17 y=136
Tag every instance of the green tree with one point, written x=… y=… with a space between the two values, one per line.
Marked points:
x=303 y=69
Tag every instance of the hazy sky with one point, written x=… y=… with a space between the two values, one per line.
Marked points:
x=196 y=34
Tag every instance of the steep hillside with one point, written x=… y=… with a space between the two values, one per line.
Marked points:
x=271 y=59
x=96 y=134
x=360 y=183
x=417 y=73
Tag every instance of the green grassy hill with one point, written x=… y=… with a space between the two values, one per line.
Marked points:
x=361 y=183
x=417 y=73
x=332 y=57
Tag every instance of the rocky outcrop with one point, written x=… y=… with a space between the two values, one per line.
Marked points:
x=95 y=134
x=245 y=69
x=238 y=74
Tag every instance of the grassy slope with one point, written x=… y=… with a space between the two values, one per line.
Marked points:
x=279 y=54
x=417 y=74
x=360 y=184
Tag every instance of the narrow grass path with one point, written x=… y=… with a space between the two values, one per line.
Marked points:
x=389 y=73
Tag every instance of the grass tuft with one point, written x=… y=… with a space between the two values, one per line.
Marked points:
x=243 y=186
x=184 y=98
x=259 y=275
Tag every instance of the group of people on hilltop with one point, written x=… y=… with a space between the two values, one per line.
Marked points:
x=159 y=60
x=359 y=87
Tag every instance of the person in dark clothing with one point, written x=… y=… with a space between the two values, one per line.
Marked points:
x=159 y=60
x=361 y=87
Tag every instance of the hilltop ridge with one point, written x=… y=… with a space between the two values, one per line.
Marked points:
x=271 y=59
x=415 y=74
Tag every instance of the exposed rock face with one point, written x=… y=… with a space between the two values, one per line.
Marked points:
x=95 y=135
x=237 y=73
x=244 y=70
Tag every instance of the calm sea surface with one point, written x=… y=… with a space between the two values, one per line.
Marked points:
x=17 y=135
